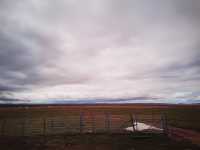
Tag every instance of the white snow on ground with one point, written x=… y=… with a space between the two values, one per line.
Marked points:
x=142 y=126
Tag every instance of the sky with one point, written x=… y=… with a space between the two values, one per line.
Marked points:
x=99 y=50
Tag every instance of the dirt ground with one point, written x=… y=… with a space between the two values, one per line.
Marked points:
x=179 y=133
x=96 y=142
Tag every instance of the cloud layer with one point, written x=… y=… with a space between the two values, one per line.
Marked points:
x=71 y=49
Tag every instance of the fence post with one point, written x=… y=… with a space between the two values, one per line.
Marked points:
x=107 y=121
x=136 y=122
x=93 y=123
x=3 y=127
x=44 y=126
x=44 y=131
x=164 y=124
x=81 y=122
x=152 y=119
x=133 y=122
x=23 y=126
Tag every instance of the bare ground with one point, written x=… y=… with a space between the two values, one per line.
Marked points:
x=96 y=142
x=180 y=134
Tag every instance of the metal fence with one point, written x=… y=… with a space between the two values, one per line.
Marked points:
x=82 y=123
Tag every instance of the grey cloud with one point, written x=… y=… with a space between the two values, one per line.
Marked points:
x=12 y=101
x=4 y=88
x=99 y=48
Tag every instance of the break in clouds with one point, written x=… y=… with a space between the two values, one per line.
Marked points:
x=139 y=50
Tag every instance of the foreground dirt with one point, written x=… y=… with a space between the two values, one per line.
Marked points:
x=186 y=134
x=96 y=142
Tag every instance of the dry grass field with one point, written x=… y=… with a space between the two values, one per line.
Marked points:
x=184 y=116
x=60 y=120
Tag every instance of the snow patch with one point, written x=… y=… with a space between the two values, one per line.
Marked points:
x=142 y=126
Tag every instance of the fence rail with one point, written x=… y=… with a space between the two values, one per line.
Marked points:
x=82 y=123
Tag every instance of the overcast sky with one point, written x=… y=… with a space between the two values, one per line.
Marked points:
x=146 y=50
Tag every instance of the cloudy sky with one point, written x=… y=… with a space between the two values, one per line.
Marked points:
x=141 y=50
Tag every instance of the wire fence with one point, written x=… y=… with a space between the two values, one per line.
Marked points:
x=83 y=123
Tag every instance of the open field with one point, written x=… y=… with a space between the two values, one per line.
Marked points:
x=184 y=116
x=48 y=126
